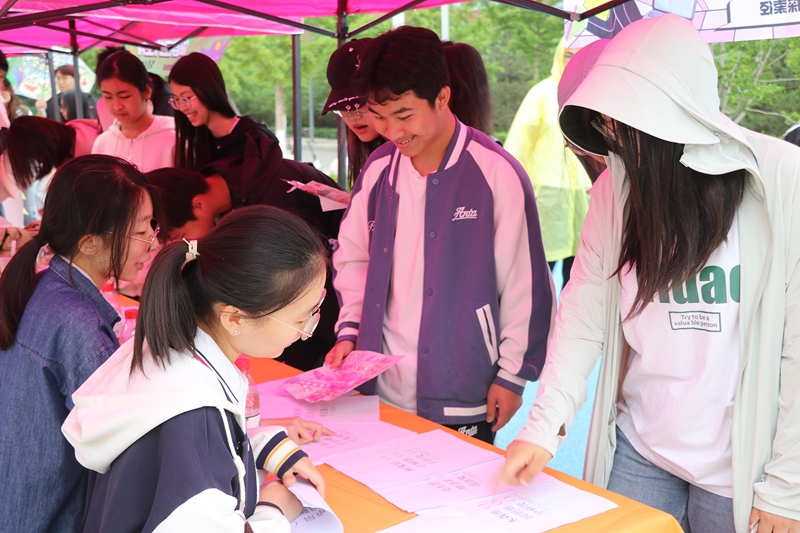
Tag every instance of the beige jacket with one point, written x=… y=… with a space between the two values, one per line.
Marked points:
x=658 y=76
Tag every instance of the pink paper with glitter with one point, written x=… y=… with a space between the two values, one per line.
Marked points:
x=326 y=383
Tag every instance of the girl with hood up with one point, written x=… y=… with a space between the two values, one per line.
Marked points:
x=685 y=282
x=137 y=135
x=161 y=423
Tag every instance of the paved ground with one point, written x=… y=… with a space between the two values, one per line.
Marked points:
x=321 y=152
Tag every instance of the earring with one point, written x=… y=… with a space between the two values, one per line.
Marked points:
x=236 y=332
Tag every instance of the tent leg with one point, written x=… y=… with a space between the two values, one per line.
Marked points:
x=54 y=106
x=341 y=128
x=297 y=99
x=78 y=100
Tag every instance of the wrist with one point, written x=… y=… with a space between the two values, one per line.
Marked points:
x=269 y=504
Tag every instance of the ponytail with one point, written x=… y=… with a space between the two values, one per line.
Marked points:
x=166 y=314
x=258 y=259
x=16 y=287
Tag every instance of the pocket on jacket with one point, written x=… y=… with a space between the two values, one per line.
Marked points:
x=486 y=321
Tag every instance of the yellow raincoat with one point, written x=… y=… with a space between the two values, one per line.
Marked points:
x=558 y=179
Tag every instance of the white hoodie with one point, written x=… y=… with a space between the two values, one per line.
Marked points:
x=151 y=150
x=118 y=417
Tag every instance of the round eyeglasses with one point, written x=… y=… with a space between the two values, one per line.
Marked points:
x=156 y=228
x=310 y=325
x=180 y=103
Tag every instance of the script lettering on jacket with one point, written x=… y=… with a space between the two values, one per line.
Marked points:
x=463 y=213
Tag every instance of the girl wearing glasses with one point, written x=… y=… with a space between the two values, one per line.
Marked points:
x=163 y=419
x=686 y=284
x=362 y=137
x=137 y=135
x=211 y=139
x=56 y=329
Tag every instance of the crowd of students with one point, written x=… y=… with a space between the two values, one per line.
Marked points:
x=683 y=282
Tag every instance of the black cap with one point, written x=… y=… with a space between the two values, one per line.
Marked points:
x=342 y=67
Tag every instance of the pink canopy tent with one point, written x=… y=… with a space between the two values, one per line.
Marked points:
x=31 y=25
x=77 y=25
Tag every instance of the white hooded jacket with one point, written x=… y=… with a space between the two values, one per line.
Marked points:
x=116 y=411
x=153 y=149
x=658 y=76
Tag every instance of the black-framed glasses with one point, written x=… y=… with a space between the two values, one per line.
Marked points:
x=312 y=322
x=181 y=103
x=604 y=129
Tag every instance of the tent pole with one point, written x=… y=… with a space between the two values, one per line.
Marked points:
x=265 y=16
x=297 y=99
x=125 y=27
x=387 y=16
x=31 y=46
x=341 y=128
x=53 y=88
x=78 y=93
x=91 y=35
x=7 y=7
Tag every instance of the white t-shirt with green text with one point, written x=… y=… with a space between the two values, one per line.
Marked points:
x=677 y=398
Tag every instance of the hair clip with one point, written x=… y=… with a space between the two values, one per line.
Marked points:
x=192 y=254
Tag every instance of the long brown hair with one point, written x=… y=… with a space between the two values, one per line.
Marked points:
x=198 y=71
x=677 y=216
x=89 y=195
x=357 y=154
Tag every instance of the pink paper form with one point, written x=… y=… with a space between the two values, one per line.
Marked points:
x=326 y=383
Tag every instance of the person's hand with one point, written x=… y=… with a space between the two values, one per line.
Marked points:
x=304 y=468
x=338 y=353
x=33 y=228
x=8 y=235
x=275 y=492
x=501 y=404
x=772 y=523
x=299 y=430
x=523 y=461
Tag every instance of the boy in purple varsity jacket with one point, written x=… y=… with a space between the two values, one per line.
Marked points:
x=440 y=256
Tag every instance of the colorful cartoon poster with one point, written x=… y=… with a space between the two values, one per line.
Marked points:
x=716 y=20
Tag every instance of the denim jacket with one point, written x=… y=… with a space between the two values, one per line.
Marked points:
x=64 y=335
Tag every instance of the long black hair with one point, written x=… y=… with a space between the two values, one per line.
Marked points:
x=258 y=259
x=125 y=67
x=677 y=217
x=357 y=154
x=37 y=145
x=89 y=195
x=198 y=71
x=470 y=98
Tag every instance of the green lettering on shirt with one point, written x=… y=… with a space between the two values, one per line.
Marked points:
x=686 y=293
x=714 y=292
x=734 y=284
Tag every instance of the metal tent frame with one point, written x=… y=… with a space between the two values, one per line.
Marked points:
x=78 y=25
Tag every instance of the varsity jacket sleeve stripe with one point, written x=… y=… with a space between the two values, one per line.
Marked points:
x=213 y=511
x=274 y=451
x=524 y=284
x=351 y=256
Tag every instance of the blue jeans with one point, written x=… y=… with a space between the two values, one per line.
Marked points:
x=695 y=509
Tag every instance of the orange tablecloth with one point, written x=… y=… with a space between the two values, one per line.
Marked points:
x=361 y=510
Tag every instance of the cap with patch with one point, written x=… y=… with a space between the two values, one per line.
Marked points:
x=342 y=66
